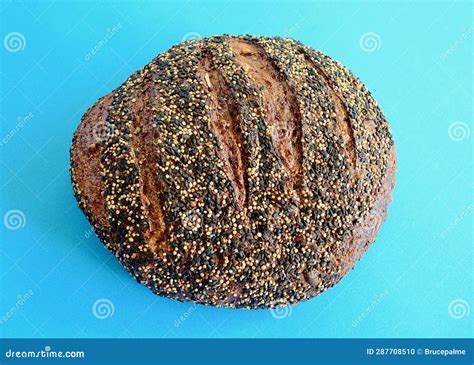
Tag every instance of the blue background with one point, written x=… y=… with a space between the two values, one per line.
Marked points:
x=420 y=72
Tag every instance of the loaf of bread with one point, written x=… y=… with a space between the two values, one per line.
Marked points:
x=245 y=172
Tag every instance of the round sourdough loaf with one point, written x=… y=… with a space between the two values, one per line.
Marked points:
x=246 y=172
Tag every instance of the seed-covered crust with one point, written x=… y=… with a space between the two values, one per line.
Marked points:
x=246 y=172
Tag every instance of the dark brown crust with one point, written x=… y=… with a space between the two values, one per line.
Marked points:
x=85 y=164
x=236 y=171
x=366 y=229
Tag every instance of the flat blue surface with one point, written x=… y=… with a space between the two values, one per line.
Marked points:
x=416 y=281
